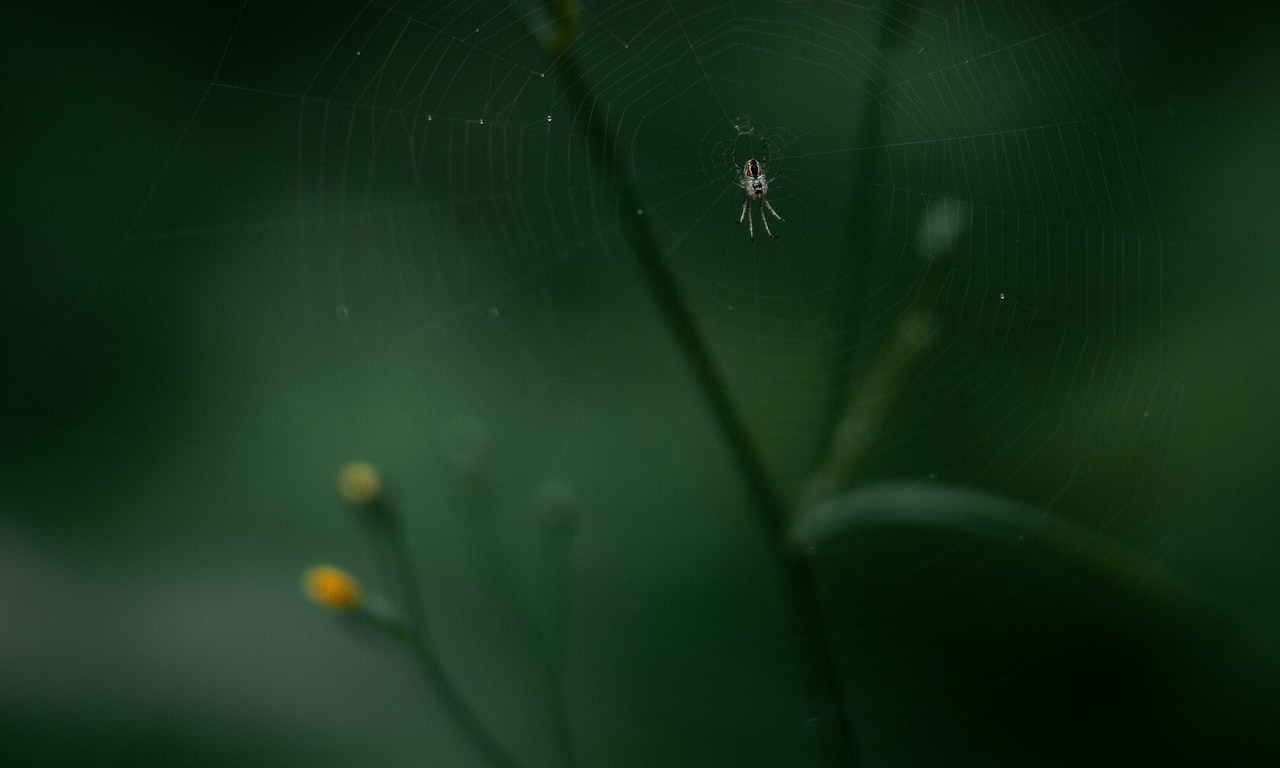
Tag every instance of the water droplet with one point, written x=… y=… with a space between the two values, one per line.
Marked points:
x=1002 y=295
x=341 y=311
x=482 y=121
x=548 y=118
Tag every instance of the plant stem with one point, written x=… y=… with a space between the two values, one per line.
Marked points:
x=671 y=305
x=858 y=416
x=385 y=525
x=834 y=730
x=476 y=518
x=465 y=717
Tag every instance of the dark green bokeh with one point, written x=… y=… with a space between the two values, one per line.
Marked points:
x=176 y=404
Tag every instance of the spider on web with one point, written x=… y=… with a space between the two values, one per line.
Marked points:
x=756 y=186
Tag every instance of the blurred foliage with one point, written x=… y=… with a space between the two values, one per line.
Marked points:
x=174 y=421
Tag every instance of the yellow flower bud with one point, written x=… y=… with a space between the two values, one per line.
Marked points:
x=359 y=483
x=331 y=587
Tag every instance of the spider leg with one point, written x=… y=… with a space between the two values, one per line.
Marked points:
x=769 y=207
x=746 y=214
x=743 y=215
x=763 y=219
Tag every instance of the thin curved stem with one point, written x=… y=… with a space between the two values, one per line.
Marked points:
x=386 y=529
x=855 y=407
x=671 y=305
x=831 y=721
x=476 y=518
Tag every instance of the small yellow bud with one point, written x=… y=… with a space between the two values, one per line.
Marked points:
x=359 y=483
x=331 y=587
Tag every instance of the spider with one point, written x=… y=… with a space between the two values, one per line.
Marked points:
x=755 y=184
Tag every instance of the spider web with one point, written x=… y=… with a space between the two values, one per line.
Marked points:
x=417 y=190
x=440 y=181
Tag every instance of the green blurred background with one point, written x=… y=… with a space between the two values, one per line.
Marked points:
x=179 y=398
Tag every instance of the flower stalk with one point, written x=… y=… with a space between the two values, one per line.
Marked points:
x=360 y=485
